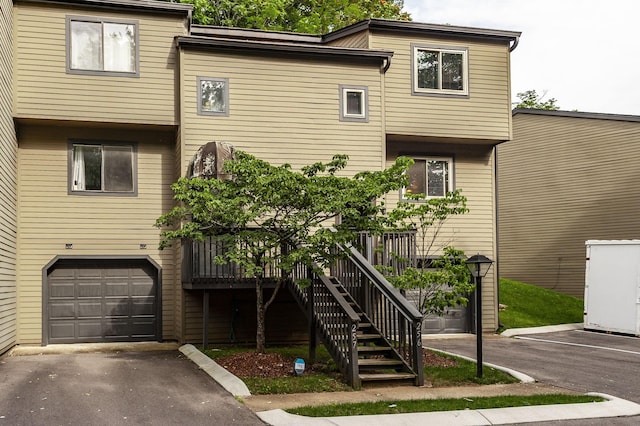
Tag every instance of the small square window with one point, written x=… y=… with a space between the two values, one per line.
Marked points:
x=102 y=168
x=354 y=103
x=431 y=177
x=105 y=47
x=213 y=96
x=440 y=71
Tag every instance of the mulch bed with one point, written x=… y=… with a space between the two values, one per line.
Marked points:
x=270 y=365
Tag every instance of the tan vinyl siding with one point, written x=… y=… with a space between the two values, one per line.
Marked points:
x=95 y=225
x=44 y=89
x=472 y=232
x=280 y=110
x=8 y=156
x=563 y=181
x=358 y=40
x=484 y=115
x=283 y=110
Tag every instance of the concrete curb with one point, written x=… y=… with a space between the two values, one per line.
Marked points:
x=518 y=375
x=66 y=348
x=231 y=383
x=537 y=330
x=614 y=407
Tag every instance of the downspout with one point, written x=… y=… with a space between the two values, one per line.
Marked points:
x=497 y=195
x=386 y=65
x=514 y=45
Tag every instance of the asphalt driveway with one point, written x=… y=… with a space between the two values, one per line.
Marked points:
x=578 y=360
x=114 y=388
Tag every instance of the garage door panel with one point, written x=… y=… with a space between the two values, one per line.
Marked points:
x=143 y=329
x=87 y=272
x=62 y=330
x=88 y=289
x=117 y=308
x=89 y=330
x=62 y=310
x=63 y=290
x=88 y=309
x=120 y=328
x=142 y=289
x=100 y=301
x=143 y=307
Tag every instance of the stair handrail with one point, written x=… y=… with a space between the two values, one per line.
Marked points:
x=381 y=282
x=407 y=335
x=347 y=362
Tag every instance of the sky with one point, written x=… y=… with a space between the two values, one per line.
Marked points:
x=583 y=53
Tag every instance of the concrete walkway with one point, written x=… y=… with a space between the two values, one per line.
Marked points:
x=270 y=408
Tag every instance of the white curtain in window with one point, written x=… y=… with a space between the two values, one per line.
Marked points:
x=119 y=47
x=79 y=181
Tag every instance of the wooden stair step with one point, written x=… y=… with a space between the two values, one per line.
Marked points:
x=373 y=348
x=367 y=377
x=369 y=336
x=373 y=362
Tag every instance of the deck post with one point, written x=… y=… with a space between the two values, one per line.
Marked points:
x=313 y=337
x=205 y=319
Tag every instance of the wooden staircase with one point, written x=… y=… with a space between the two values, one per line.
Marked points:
x=377 y=359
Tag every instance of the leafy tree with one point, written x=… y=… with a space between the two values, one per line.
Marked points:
x=442 y=282
x=531 y=100
x=305 y=16
x=272 y=217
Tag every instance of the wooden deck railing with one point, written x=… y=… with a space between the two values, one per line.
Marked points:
x=398 y=321
x=329 y=314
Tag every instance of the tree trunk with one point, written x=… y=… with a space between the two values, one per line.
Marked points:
x=260 y=318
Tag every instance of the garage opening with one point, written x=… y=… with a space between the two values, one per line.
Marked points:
x=89 y=300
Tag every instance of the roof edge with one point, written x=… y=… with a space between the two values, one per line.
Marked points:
x=146 y=5
x=413 y=27
x=577 y=114
x=291 y=48
x=254 y=34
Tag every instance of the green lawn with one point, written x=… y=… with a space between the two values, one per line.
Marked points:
x=428 y=405
x=464 y=373
x=531 y=306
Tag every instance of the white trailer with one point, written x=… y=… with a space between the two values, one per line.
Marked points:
x=612 y=286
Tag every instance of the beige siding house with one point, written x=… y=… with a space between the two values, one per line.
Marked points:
x=567 y=177
x=134 y=90
x=8 y=186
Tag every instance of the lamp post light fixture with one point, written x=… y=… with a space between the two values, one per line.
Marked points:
x=479 y=266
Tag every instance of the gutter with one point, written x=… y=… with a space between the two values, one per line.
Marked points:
x=284 y=48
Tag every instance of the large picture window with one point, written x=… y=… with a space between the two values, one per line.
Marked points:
x=440 y=71
x=430 y=176
x=102 y=168
x=96 y=46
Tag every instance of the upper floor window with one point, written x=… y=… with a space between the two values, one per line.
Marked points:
x=213 y=96
x=98 y=46
x=431 y=176
x=440 y=71
x=354 y=103
x=102 y=168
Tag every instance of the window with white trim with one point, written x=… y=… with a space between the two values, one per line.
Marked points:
x=440 y=70
x=100 y=46
x=102 y=168
x=430 y=176
x=213 y=96
x=354 y=103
